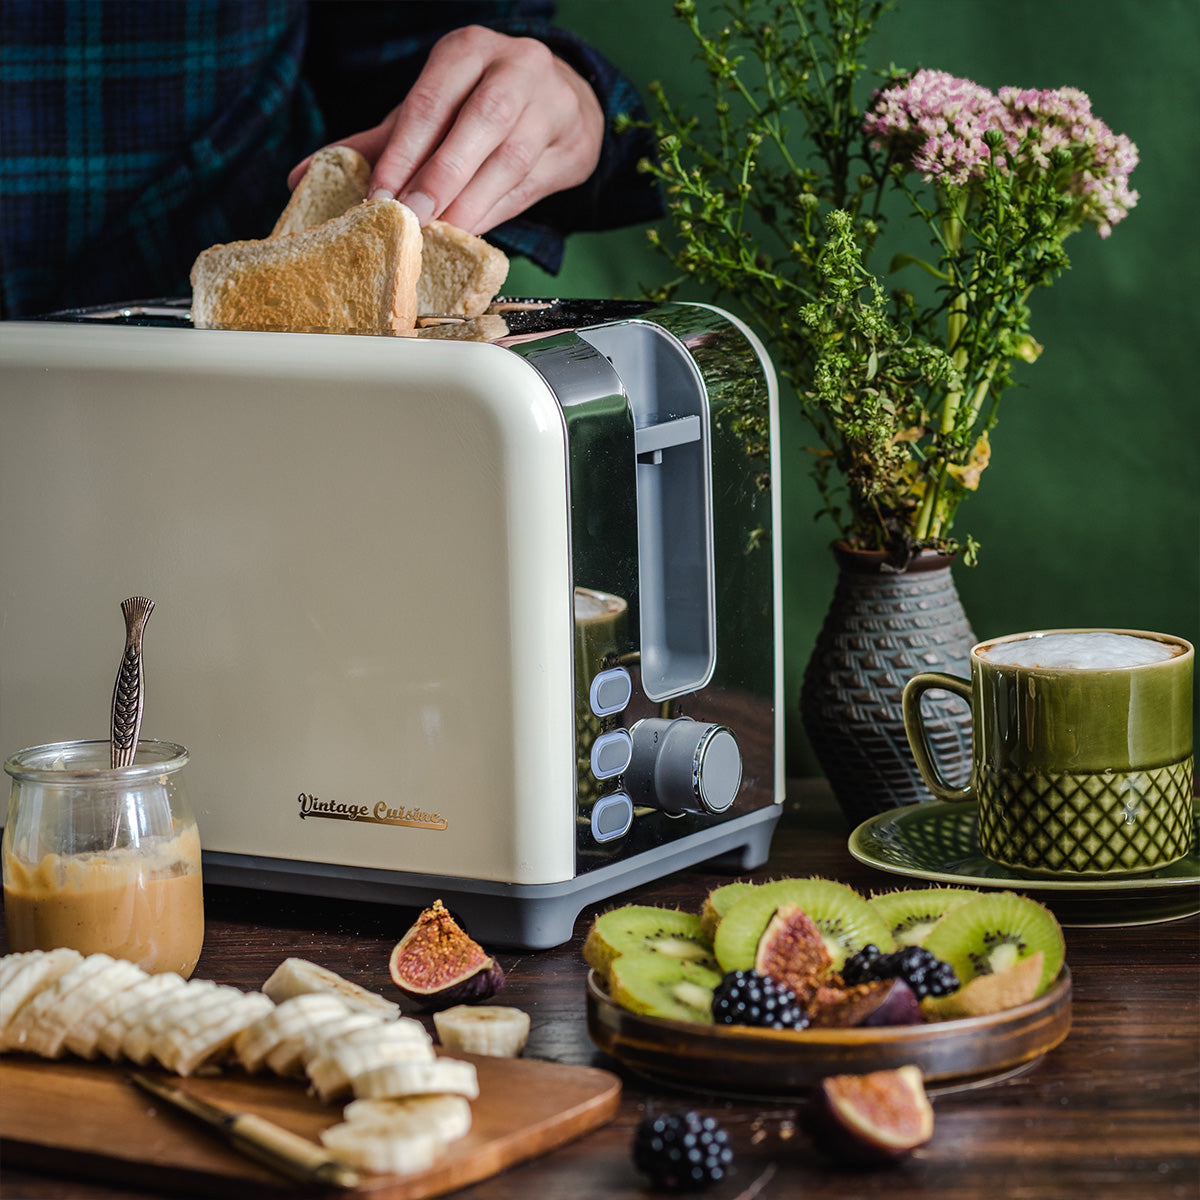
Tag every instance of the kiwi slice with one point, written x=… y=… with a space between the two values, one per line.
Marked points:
x=658 y=985
x=718 y=902
x=634 y=928
x=912 y=914
x=993 y=932
x=846 y=920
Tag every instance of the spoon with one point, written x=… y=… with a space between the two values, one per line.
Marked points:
x=129 y=689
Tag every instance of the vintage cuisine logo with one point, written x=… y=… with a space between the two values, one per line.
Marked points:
x=380 y=813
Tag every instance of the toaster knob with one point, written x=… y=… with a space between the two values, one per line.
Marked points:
x=683 y=765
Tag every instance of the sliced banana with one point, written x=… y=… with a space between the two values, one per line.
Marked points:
x=184 y=1053
x=10 y=964
x=409 y=1078
x=174 y=1026
x=89 y=1004
x=138 y=1043
x=447 y=1116
x=127 y=1008
x=290 y=1018
x=37 y=1027
x=332 y=1073
x=298 y=977
x=494 y=1029
x=383 y=1149
x=292 y=1053
x=37 y=971
x=318 y=1038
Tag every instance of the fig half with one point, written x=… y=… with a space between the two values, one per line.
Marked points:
x=437 y=965
x=867 y=1120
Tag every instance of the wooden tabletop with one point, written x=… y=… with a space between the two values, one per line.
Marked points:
x=1112 y=1112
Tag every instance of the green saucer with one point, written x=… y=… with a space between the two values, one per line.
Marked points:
x=939 y=842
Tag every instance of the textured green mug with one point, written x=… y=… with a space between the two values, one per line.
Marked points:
x=1082 y=750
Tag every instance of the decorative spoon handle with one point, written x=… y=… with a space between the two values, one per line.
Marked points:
x=128 y=692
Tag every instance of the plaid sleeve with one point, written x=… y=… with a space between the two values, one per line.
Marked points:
x=135 y=134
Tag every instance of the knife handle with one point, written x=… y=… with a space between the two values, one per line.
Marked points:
x=287 y=1152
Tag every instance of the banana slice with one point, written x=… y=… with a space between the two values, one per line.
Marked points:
x=316 y=1040
x=184 y=1053
x=447 y=1116
x=298 y=977
x=288 y=1019
x=173 y=1027
x=128 y=1007
x=382 y=1149
x=405 y=1032
x=38 y=1027
x=89 y=1004
x=10 y=964
x=492 y=1029
x=408 y=1078
x=293 y=1052
x=138 y=1042
x=35 y=972
x=333 y=1072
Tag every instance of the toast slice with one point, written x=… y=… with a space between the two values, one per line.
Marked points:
x=460 y=273
x=356 y=273
x=336 y=179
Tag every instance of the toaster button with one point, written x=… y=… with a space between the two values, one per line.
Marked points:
x=611 y=816
x=611 y=753
x=610 y=692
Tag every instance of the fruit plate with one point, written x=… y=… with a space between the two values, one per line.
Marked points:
x=938 y=841
x=778 y=1064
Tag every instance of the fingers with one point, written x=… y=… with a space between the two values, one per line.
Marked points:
x=492 y=125
x=555 y=146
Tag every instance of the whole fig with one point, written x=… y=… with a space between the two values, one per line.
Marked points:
x=437 y=965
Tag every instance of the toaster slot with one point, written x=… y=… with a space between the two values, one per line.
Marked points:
x=677 y=604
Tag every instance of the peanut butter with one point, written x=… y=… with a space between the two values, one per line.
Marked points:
x=145 y=904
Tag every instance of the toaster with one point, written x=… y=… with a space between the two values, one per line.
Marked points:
x=492 y=621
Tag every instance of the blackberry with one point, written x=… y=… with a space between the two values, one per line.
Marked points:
x=924 y=973
x=748 y=998
x=681 y=1151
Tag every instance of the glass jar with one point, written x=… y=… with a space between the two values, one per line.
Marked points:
x=103 y=859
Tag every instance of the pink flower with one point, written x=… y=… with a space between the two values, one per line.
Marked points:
x=936 y=123
x=1101 y=161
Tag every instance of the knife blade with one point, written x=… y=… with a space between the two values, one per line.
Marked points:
x=268 y=1143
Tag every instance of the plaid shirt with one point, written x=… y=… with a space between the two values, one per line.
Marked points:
x=135 y=133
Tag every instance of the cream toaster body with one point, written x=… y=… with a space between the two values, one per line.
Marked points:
x=496 y=622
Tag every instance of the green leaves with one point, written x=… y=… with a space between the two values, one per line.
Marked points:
x=777 y=198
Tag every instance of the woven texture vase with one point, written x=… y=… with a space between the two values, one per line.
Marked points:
x=882 y=628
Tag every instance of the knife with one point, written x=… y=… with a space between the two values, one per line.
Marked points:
x=278 y=1148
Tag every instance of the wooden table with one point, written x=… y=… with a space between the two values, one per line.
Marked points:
x=1112 y=1112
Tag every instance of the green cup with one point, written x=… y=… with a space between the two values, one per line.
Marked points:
x=1082 y=750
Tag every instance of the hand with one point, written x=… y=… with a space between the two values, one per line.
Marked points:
x=492 y=125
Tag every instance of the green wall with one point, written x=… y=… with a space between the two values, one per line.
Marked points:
x=1090 y=511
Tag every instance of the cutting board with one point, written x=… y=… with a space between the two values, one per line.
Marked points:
x=86 y=1119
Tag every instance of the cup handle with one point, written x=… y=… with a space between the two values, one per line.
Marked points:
x=918 y=739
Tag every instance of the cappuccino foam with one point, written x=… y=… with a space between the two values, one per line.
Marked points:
x=1091 y=650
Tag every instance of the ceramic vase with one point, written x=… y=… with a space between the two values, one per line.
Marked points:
x=884 y=626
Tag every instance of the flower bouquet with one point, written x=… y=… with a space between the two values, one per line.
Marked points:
x=781 y=196
x=807 y=168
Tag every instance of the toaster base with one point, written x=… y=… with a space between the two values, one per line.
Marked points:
x=527 y=916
